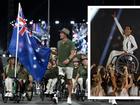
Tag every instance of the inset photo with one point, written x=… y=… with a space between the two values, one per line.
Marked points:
x=114 y=52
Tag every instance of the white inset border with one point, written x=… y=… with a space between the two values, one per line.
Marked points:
x=92 y=10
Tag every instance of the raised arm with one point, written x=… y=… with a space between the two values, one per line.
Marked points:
x=118 y=25
x=113 y=78
x=126 y=77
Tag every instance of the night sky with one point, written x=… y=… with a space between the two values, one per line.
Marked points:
x=62 y=10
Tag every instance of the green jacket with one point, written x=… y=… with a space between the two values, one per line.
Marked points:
x=64 y=51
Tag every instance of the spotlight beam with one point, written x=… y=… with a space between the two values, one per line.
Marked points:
x=109 y=39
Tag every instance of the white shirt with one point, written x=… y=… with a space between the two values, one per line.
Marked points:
x=129 y=43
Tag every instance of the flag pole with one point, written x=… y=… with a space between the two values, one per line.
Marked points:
x=19 y=7
x=49 y=16
x=48 y=23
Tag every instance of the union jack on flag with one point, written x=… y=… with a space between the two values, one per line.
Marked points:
x=22 y=25
x=21 y=22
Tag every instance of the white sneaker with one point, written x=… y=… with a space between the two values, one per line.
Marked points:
x=46 y=92
x=24 y=94
x=69 y=101
x=10 y=95
x=51 y=92
x=7 y=94
x=114 y=102
x=55 y=99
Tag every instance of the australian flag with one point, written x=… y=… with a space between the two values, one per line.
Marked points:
x=33 y=56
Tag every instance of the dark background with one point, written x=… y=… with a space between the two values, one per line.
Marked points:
x=62 y=10
x=100 y=29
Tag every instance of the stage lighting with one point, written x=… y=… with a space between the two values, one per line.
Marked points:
x=111 y=35
x=83 y=20
x=10 y=55
x=3 y=55
x=72 y=22
x=57 y=22
x=42 y=22
x=31 y=22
